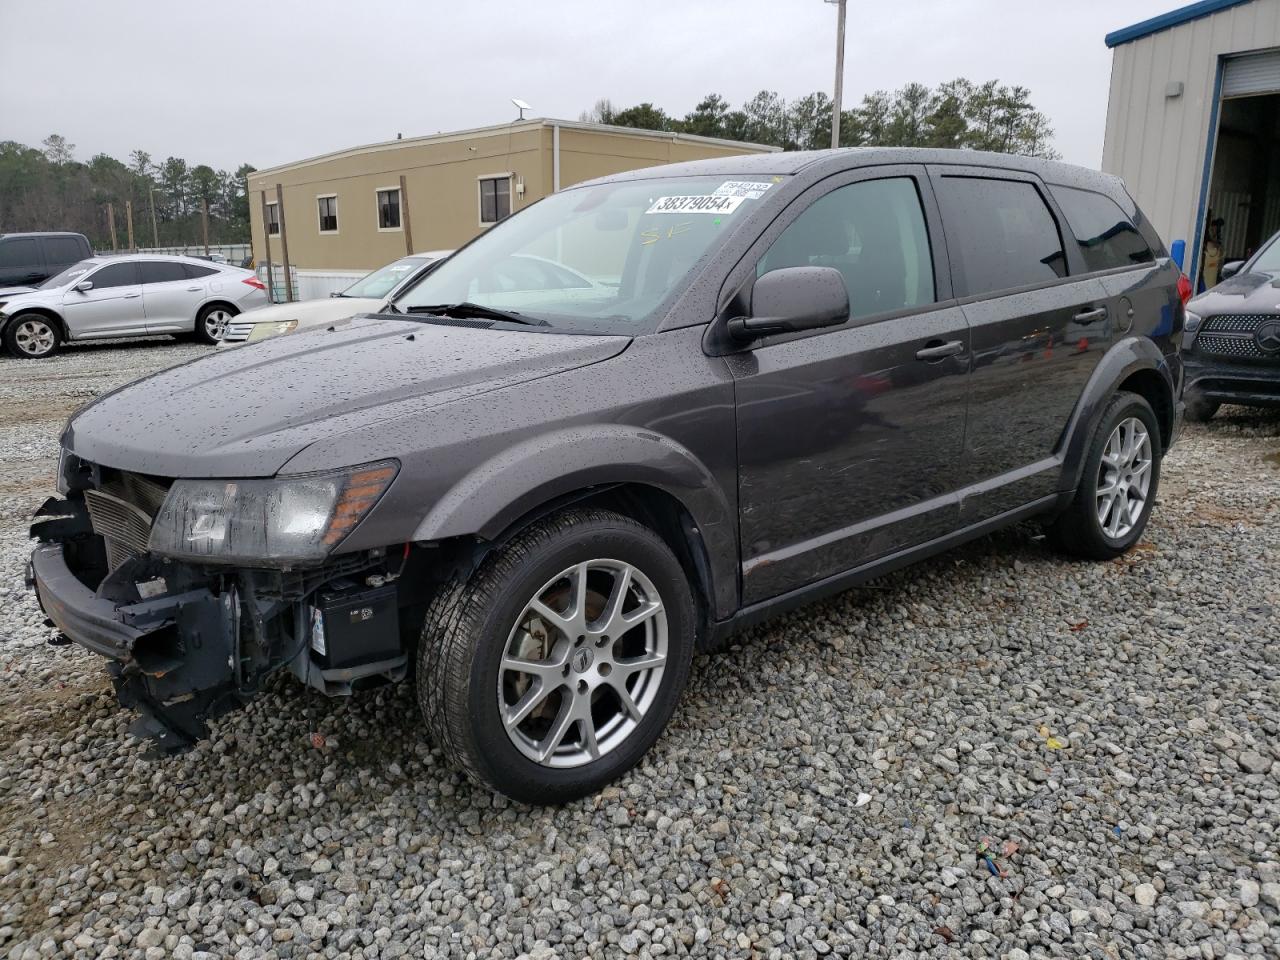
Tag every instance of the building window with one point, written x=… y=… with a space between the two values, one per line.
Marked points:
x=327 y=210
x=273 y=219
x=495 y=198
x=389 y=208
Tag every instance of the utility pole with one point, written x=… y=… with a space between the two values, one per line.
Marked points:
x=128 y=219
x=111 y=222
x=204 y=223
x=284 y=244
x=155 y=234
x=835 y=103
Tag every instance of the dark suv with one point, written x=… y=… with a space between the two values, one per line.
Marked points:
x=29 y=259
x=740 y=384
x=1232 y=341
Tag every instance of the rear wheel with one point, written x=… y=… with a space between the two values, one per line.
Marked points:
x=32 y=336
x=557 y=664
x=1200 y=410
x=211 y=323
x=1118 y=487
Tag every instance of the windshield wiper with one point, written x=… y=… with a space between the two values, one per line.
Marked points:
x=477 y=311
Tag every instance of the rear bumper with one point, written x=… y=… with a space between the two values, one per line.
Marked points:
x=1251 y=384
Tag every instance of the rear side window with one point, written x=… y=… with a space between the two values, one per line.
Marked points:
x=160 y=271
x=115 y=275
x=19 y=253
x=1107 y=238
x=1000 y=234
x=194 y=273
x=63 y=250
x=874 y=233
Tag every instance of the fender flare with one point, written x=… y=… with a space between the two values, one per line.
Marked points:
x=514 y=483
x=1128 y=356
x=43 y=311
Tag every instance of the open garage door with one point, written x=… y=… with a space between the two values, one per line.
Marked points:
x=1244 y=189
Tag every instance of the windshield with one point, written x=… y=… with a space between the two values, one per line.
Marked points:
x=1269 y=259
x=598 y=259
x=383 y=280
x=68 y=275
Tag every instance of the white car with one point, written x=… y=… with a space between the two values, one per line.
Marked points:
x=369 y=294
x=132 y=296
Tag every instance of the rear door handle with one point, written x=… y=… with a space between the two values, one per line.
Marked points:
x=938 y=350
x=1088 y=316
x=132 y=296
x=193 y=289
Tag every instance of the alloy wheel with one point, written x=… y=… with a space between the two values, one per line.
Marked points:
x=583 y=664
x=34 y=337
x=1124 y=478
x=215 y=323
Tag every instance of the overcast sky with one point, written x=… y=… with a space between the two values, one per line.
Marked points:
x=270 y=81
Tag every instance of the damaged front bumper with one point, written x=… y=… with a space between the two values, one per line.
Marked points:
x=187 y=644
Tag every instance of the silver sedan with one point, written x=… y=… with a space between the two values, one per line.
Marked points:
x=131 y=296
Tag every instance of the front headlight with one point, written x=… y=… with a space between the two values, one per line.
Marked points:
x=1190 y=328
x=267 y=522
x=261 y=331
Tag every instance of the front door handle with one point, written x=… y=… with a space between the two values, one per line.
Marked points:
x=1088 y=316
x=132 y=296
x=193 y=289
x=939 y=350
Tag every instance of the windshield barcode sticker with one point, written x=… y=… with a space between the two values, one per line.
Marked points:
x=751 y=189
x=702 y=204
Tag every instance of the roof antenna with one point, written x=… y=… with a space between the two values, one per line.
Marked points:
x=521 y=106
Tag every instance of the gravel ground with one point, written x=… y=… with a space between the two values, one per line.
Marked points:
x=1112 y=728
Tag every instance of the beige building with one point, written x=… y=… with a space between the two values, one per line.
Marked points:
x=1193 y=126
x=363 y=207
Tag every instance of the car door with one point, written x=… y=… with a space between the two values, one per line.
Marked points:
x=112 y=307
x=21 y=264
x=849 y=437
x=1038 y=329
x=170 y=297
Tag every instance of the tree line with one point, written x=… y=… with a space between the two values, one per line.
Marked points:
x=46 y=188
x=957 y=114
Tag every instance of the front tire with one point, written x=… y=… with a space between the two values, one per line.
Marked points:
x=211 y=323
x=557 y=664
x=32 y=336
x=1118 y=486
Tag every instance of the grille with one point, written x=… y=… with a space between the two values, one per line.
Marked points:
x=1228 y=346
x=236 y=332
x=122 y=510
x=1243 y=323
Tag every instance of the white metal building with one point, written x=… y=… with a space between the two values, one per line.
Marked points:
x=1193 y=124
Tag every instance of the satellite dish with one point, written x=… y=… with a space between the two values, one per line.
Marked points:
x=521 y=106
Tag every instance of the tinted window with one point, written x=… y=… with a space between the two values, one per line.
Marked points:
x=19 y=253
x=1000 y=234
x=495 y=199
x=193 y=272
x=63 y=250
x=115 y=275
x=158 y=271
x=874 y=234
x=1107 y=238
x=388 y=209
x=327 y=210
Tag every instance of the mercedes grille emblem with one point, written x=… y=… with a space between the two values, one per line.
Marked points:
x=1267 y=337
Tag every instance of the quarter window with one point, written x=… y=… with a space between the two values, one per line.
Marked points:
x=115 y=275
x=495 y=199
x=999 y=233
x=874 y=233
x=193 y=272
x=1106 y=237
x=327 y=208
x=159 y=271
x=389 y=209
x=273 y=219
x=63 y=249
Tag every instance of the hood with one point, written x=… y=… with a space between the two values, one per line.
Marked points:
x=8 y=293
x=311 y=313
x=1243 y=293
x=19 y=296
x=246 y=411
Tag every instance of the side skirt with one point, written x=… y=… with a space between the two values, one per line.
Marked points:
x=765 y=609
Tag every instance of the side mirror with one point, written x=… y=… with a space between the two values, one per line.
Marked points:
x=792 y=299
x=84 y=286
x=1230 y=269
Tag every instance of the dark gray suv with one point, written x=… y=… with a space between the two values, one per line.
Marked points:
x=627 y=421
